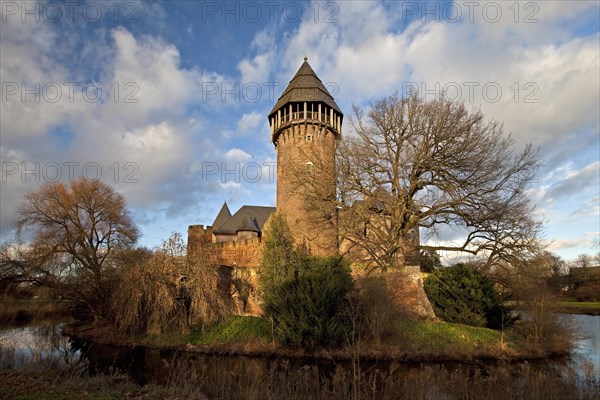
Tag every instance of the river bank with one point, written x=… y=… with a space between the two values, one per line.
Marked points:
x=575 y=307
x=411 y=341
x=15 y=312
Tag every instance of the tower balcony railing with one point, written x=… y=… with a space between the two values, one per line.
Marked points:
x=309 y=115
x=301 y=116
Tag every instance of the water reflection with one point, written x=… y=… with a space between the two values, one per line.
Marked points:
x=39 y=346
x=586 y=353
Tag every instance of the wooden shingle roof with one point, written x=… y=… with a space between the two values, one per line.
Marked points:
x=305 y=86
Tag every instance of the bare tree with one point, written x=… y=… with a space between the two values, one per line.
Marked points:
x=583 y=261
x=416 y=164
x=75 y=232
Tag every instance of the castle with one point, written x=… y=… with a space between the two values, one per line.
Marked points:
x=305 y=127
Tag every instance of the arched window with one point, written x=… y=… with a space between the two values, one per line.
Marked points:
x=309 y=166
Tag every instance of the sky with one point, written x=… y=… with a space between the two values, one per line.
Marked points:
x=167 y=101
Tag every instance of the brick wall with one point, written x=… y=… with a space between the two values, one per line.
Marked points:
x=245 y=253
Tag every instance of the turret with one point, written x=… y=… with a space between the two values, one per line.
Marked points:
x=306 y=125
x=305 y=100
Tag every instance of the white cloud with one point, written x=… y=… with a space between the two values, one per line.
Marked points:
x=576 y=182
x=366 y=53
x=237 y=155
x=590 y=209
x=258 y=68
x=584 y=243
x=146 y=148
x=250 y=122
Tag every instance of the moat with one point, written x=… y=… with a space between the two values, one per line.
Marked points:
x=44 y=346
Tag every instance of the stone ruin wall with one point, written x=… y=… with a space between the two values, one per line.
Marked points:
x=405 y=290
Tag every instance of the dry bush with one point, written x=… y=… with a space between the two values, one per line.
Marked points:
x=540 y=323
x=223 y=378
x=169 y=291
x=588 y=292
x=377 y=310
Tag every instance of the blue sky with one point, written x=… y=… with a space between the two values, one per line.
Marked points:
x=168 y=101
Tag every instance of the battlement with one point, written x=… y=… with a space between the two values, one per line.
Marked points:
x=198 y=237
x=199 y=229
x=245 y=253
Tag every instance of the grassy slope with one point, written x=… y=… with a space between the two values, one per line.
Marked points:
x=415 y=340
x=570 y=305
x=238 y=329
x=439 y=336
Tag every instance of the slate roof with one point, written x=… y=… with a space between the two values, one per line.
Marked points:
x=247 y=218
x=305 y=86
x=222 y=217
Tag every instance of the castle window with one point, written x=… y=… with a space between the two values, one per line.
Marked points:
x=309 y=166
x=309 y=137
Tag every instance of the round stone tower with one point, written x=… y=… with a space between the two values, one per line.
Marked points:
x=306 y=125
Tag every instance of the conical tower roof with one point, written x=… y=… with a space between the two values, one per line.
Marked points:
x=305 y=86
x=222 y=217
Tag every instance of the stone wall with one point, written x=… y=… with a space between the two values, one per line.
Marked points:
x=405 y=290
x=245 y=253
x=243 y=258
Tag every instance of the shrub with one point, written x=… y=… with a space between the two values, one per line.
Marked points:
x=376 y=310
x=307 y=309
x=588 y=292
x=303 y=297
x=463 y=295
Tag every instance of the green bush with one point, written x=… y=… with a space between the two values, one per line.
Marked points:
x=303 y=297
x=463 y=295
x=308 y=309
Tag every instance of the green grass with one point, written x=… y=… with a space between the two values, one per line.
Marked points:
x=586 y=304
x=565 y=299
x=238 y=329
x=434 y=335
x=410 y=335
x=579 y=307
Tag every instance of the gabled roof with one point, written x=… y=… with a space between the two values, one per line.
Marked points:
x=305 y=86
x=222 y=217
x=247 y=218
